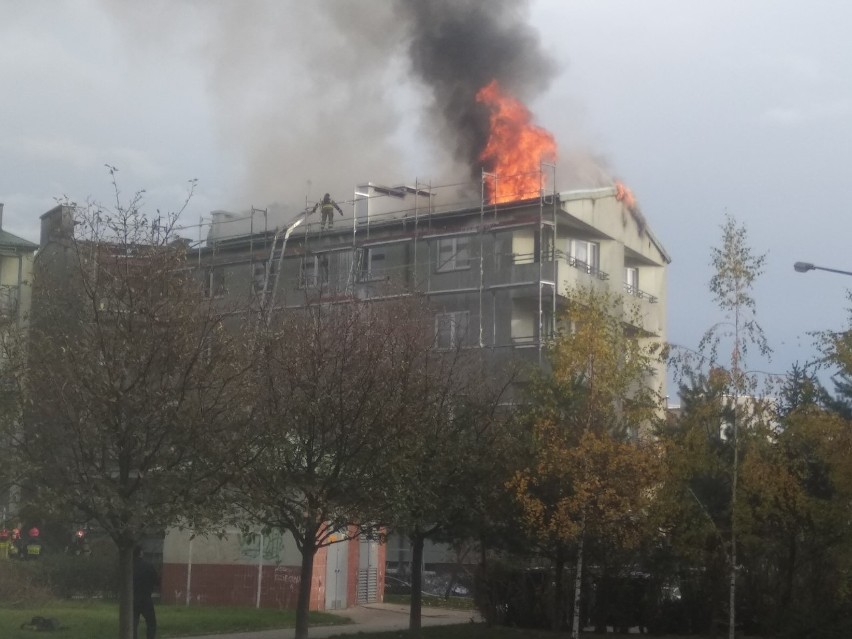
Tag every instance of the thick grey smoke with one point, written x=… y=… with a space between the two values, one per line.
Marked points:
x=303 y=94
x=314 y=97
x=458 y=46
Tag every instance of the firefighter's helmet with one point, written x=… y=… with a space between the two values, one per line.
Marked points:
x=33 y=532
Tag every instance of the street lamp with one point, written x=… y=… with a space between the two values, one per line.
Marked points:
x=804 y=267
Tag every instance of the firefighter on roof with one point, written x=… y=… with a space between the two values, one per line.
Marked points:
x=327 y=207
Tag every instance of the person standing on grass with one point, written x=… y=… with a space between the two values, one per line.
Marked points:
x=145 y=580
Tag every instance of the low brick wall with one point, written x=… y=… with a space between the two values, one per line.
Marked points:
x=236 y=585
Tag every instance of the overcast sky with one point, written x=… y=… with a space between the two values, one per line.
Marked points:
x=702 y=108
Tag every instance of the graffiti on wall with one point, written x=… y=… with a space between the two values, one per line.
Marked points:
x=287 y=575
x=273 y=546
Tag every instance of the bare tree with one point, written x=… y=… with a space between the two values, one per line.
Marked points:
x=333 y=384
x=450 y=457
x=130 y=386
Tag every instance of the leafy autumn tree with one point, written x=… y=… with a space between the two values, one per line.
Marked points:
x=129 y=384
x=795 y=523
x=692 y=506
x=586 y=476
x=335 y=383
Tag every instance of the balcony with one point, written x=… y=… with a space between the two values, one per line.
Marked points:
x=580 y=265
x=572 y=274
x=515 y=269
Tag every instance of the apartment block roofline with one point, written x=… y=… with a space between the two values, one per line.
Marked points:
x=611 y=191
x=443 y=211
x=397 y=191
x=12 y=241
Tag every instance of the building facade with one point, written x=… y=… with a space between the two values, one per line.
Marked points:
x=16 y=268
x=240 y=569
x=496 y=275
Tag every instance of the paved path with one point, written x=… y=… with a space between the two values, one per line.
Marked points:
x=368 y=618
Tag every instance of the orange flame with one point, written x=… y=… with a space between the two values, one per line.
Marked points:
x=625 y=195
x=515 y=149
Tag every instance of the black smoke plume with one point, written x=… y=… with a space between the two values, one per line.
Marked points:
x=458 y=46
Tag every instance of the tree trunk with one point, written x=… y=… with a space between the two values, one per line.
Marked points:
x=787 y=595
x=416 y=608
x=601 y=601
x=732 y=589
x=303 y=605
x=125 y=601
x=558 y=591
x=578 y=582
x=732 y=598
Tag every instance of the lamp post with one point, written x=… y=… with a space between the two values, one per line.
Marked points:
x=804 y=267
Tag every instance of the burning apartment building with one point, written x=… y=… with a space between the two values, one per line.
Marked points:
x=494 y=250
x=495 y=271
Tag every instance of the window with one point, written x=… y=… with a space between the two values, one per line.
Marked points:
x=453 y=253
x=374 y=266
x=525 y=324
x=308 y=275
x=259 y=280
x=585 y=254
x=524 y=321
x=214 y=283
x=314 y=270
x=547 y=327
x=547 y=244
x=523 y=246
x=322 y=265
x=8 y=299
x=451 y=329
x=631 y=280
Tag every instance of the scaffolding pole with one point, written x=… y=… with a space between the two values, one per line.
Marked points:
x=541 y=255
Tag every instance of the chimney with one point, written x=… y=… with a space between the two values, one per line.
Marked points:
x=57 y=225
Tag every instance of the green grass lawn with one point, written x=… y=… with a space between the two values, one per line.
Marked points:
x=99 y=620
x=463 y=631
x=480 y=631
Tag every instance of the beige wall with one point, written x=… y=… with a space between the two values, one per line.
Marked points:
x=17 y=270
x=235 y=548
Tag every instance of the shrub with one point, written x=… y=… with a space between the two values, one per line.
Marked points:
x=22 y=583
x=56 y=575
x=94 y=575
x=509 y=595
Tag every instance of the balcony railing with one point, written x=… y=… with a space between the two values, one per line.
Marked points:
x=580 y=265
x=642 y=295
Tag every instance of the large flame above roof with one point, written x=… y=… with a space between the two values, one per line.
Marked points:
x=515 y=148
